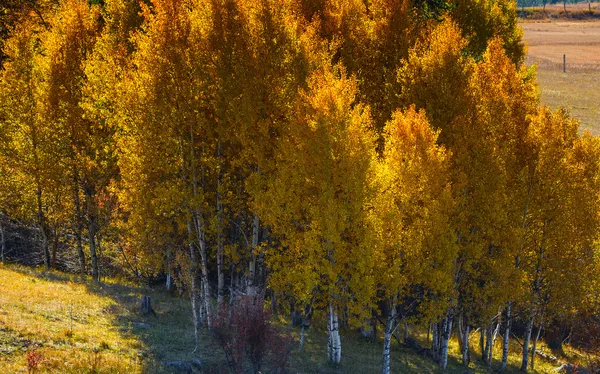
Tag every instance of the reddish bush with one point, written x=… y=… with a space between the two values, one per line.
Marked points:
x=34 y=359
x=247 y=337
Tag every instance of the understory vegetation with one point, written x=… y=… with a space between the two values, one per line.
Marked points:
x=359 y=166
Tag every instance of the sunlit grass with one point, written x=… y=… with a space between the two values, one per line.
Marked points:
x=71 y=328
x=78 y=327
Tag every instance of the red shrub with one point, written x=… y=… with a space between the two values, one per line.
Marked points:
x=246 y=335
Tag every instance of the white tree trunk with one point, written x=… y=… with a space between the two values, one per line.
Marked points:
x=506 y=338
x=445 y=338
x=465 y=347
x=526 y=341
x=537 y=336
x=204 y=260
x=195 y=287
x=252 y=265
x=387 y=338
x=335 y=344
x=435 y=347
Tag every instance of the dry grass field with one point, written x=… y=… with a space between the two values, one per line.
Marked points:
x=577 y=89
x=52 y=322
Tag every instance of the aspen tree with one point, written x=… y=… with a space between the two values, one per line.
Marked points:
x=411 y=214
x=317 y=202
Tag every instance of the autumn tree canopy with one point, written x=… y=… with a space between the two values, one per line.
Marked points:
x=358 y=159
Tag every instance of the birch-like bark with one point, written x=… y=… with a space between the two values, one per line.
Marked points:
x=493 y=337
x=168 y=281
x=435 y=347
x=204 y=266
x=195 y=287
x=252 y=265
x=78 y=222
x=537 y=336
x=198 y=224
x=387 y=337
x=505 y=338
x=526 y=341
x=488 y=343
x=220 y=274
x=92 y=235
x=465 y=343
x=3 y=242
x=335 y=344
x=445 y=338
x=482 y=346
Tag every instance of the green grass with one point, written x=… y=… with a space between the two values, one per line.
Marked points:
x=81 y=328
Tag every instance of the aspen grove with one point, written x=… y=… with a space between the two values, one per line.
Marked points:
x=358 y=160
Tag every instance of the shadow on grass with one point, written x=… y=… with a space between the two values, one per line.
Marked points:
x=170 y=336
x=166 y=337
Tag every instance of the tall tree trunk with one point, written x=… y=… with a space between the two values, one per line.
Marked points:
x=43 y=226
x=195 y=288
x=537 y=336
x=526 y=341
x=78 y=222
x=465 y=344
x=2 y=241
x=168 y=282
x=92 y=233
x=252 y=265
x=204 y=267
x=492 y=341
x=334 y=347
x=387 y=337
x=482 y=345
x=220 y=274
x=445 y=338
x=505 y=338
x=405 y=338
x=54 y=246
x=435 y=342
x=488 y=343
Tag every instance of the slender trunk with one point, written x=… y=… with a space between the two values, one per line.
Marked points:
x=204 y=266
x=335 y=346
x=78 y=222
x=537 y=336
x=387 y=337
x=405 y=331
x=465 y=345
x=505 y=338
x=252 y=266
x=220 y=274
x=3 y=242
x=92 y=234
x=54 y=246
x=446 y=331
x=43 y=226
x=488 y=343
x=526 y=341
x=492 y=341
x=428 y=334
x=168 y=281
x=195 y=288
x=482 y=345
x=198 y=224
x=301 y=338
x=435 y=347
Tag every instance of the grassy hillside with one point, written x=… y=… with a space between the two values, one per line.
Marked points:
x=74 y=327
